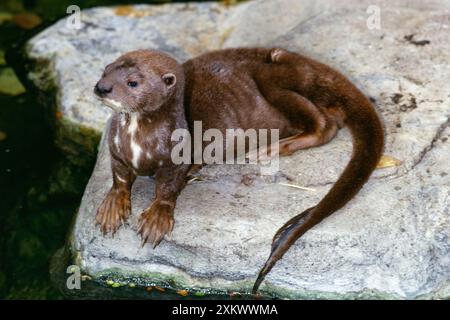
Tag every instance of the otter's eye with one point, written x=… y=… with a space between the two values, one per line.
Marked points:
x=132 y=84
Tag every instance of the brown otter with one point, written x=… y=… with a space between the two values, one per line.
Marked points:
x=235 y=88
x=146 y=91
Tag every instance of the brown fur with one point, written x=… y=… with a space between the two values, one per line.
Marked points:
x=250 y=88
x=154 y=109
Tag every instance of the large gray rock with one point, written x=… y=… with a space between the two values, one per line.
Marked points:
x=391 y=241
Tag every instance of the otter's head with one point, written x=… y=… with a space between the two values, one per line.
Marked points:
x=139 y=81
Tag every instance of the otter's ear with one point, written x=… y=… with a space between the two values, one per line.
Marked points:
x=169 y=79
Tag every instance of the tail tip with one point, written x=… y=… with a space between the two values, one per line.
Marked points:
x=258 y=282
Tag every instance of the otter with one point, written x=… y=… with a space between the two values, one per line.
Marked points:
x=145 y=89
x=260 y=88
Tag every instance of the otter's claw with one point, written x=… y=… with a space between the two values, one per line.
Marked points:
x=155 y=222
x=113 y=211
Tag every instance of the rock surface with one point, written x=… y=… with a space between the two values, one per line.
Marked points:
x=391 y=241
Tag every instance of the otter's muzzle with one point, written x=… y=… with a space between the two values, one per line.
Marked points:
x=102 y=90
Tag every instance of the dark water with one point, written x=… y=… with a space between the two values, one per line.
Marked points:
x=35 y=208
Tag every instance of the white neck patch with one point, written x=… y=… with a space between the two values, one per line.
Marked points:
x=136 y=149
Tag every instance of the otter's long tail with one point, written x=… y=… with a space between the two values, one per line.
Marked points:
x=368 y=141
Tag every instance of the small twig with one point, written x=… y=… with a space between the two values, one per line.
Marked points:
x=193 y=179
x=295 y=186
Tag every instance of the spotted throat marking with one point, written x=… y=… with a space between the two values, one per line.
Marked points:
x=136 y=149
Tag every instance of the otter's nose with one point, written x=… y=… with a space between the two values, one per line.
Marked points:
x=102 y=90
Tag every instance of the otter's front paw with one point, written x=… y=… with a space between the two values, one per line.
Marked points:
x=113 y=211
x=155 y=222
